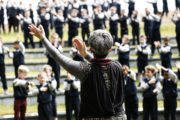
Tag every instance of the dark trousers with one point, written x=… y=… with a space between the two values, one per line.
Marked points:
x=124 y=31
x=123 y=61
x=56 y=70
x=155 y=8
x=150 y=108
x=72 y=103
x=170 y=105
x=45 y=111
x=178 y=41
x=85 y=31
x=148 y=33
x=135 y=32
x=16 y=70
x=2 y=24
x=166 y=64
x=156 y=36
x=72 y=34
x=131 y=107
x=19 y=109
x=54 y=107
x=3 y=76
x=13 y=22
x=114 y=34
x=26 y=37
x=177 y=4
x=178 y=74
x=165 y=7
x=141 y=65
x=59 y=31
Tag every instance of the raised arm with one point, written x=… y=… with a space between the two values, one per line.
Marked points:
x=74 y=67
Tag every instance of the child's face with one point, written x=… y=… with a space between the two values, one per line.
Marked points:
x=48 y=72
x=27 y=14
x=147 y=11
x=74 y=13
x=43 y=10
x=125 y=41
x=99 y=9
x=149 y=73
x=54 y=39
x=113 y=10
x=125 y=70
x=166 y=75
x=22 y=75
x=166 y=41
x=142 y=40
x=60 y=13
x=16 y=46
x=42 y=79
x=134 y=12
x=83 y=13
x=122 y=12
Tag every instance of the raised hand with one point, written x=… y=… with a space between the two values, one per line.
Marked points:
x=80 y=45
x=152 y=81
x=38 y=32
x=44 y=89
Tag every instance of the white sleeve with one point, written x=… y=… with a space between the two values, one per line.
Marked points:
x=165 y=49
x=132 y=75
x=18 y=82
x=10 y=54
x=144 y=86
x=60 y=49
x=77 y=20
x=21 y=47
x=172 y=75
x=76 y=84
x=124 y=48
x=66 y=86
x=136 y=50
x=47 y=16
x=146 y=51
x=149 y=17
x=52 y=85
x=35 y=91
x=115 y=17
x=101 y=15
x=173 y=19
x=137 y=20
x=156 y=18
x=158 y=87
x=81 y=20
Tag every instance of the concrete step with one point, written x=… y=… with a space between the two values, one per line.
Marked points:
x=60 y=98
x=62 y=115
x=10 y=44
x=39 y=53
x=37 y=66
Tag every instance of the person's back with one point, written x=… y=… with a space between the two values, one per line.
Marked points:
x=101 y=90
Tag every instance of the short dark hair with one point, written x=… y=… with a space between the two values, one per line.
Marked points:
x=16 y=42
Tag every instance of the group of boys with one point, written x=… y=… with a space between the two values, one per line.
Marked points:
x=46 y=94
x=149 y=80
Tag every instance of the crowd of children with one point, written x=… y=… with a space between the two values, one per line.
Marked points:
x=76 y=13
